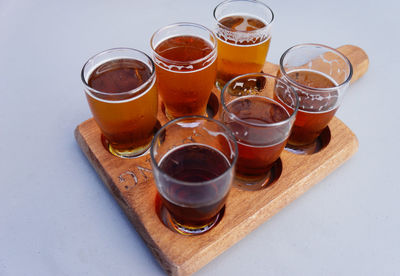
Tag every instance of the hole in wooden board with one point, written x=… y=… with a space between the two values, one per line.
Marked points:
x=319 y=144
x=212 y=105
x=267 y=180
x=165 y=217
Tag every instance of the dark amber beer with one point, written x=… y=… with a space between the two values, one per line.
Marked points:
x=185 y=56
x=195 y=163
x=256 y=159
x=120 y=89
x=193 y=160
x=312 y=116
x=260 y=124
x=320 y=75
x=243 y=32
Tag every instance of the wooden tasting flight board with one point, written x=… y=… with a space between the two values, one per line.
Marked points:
x=132 y=184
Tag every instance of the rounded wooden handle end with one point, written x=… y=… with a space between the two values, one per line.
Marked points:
x=358 y=58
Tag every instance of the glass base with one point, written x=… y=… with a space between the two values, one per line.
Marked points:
x=129 y=153
x=137 y=152
x=170 y=117
x=304 y=149
x=320 y=143
x=133 y=152
x=188 y=230
x=210 y=112
x=219 y=84
x=260 y=182
x=167 y=219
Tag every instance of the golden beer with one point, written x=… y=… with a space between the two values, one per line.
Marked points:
x=243 y=32
x=122 y=96
x=185 y=57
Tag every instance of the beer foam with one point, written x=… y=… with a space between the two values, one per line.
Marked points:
x=185 y=68
x=289 y=99
x=329 y=99
x=244 y=39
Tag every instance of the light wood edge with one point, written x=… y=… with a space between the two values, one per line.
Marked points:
x=358 y=59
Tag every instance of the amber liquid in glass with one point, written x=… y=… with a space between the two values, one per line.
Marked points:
x=195 y=163
x=184 y=84
x=127 y=120
x=255 y=156
x=240 y=54
x=316 y=109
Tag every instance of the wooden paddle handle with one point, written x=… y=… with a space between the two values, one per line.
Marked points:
x=358 y=58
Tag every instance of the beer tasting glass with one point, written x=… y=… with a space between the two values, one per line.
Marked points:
x=243 y=29
x=260 y=110
x=185 y=57
x=193 y=160
x=320 y=75
x=120 y=88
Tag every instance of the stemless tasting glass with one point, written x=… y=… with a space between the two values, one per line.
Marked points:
x=193 y=160
x=185 y=57
x=320 y=75
x=120 y=89
x=243 y=29
x=254 y=107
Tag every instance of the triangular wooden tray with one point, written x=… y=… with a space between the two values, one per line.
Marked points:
x=131 y=183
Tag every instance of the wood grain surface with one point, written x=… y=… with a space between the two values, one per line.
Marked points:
x=132 y=184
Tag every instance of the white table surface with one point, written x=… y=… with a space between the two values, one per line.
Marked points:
x=57 y=217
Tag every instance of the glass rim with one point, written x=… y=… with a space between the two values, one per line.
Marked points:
x=287 y=120
x=187 y=183
x=324 y=89
x=244 y=32
x=132 y=91
x=179 y=24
